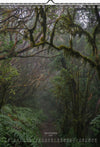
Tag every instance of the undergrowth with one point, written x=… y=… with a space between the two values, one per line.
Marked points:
x=19 y=127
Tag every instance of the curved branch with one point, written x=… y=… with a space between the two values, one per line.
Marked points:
x=53 y=31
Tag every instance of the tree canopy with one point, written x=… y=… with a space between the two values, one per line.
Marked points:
x=30 y=27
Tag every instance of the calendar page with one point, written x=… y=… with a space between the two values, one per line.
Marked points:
x=49 y=73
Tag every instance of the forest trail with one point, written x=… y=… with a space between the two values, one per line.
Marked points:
x=49 y=135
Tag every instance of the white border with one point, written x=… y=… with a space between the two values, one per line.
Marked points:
x=49 y=1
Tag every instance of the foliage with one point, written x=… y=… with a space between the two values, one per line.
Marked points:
x=19 y=126
x=95 y=126
x=75 y=97
x=7 y=74
x=7 y=71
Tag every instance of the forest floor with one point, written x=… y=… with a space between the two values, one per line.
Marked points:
x=49 y=135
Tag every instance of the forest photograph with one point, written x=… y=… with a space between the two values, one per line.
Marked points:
x=49 y=75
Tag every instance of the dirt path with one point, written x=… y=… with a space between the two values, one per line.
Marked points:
x=50 y=136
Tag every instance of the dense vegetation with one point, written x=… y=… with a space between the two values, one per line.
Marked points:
x=19 y=126
x=49 y=66
x=78 y=102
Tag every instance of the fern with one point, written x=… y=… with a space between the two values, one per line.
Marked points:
x=19 y=126
x=95 y=125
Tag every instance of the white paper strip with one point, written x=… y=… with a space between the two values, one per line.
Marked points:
x=50 y=2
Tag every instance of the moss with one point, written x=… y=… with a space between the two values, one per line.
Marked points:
x=73 y=53
x=64 y=47
x=53 y=31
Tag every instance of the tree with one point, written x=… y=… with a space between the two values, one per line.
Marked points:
x=74 y=88
x=45 y=27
